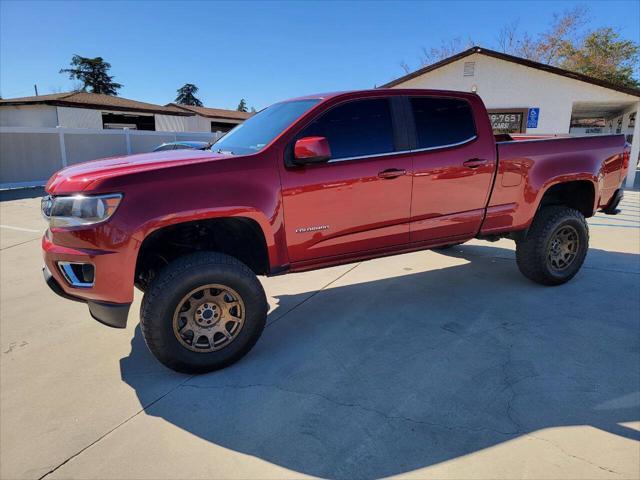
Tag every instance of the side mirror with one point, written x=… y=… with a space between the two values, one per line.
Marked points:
x=311 y=150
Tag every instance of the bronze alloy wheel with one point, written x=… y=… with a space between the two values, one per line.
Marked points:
x=563 y=248
x=208 y=318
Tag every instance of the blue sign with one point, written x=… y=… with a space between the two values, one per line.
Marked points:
x=532 y=118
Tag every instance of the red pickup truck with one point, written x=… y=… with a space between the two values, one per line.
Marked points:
x=308 y=183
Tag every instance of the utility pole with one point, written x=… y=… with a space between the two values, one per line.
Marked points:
x=35 y=87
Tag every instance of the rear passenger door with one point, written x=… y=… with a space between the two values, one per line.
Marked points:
x=360 y=199
x=454 y=163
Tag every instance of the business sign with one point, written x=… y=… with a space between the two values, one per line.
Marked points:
x=507 y=120
x=532 y=118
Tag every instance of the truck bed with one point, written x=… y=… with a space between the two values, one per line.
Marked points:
x=528 y=167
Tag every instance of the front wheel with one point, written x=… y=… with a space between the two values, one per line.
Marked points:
x=203 y=312
x=555 y=246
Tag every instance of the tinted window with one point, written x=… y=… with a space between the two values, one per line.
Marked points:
x=180 y=146
x=355 y=129
x=442 y=121
x=256 y=132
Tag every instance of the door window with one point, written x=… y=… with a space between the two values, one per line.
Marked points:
x=442 y=121
x=355 y=129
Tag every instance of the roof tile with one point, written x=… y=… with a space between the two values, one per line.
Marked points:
x=212 y=112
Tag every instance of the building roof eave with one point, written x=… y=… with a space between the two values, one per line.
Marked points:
x=513 y=59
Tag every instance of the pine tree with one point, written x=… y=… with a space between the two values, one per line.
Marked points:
x=242 y=106
x=94 y=75
x=186 y=95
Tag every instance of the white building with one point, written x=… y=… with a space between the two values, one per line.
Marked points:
x=535 y=99
x=96 y=111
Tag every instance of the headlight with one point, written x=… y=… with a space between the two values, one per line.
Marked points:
x=79 y=210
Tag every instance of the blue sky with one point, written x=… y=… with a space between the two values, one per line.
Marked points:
x=262 y=51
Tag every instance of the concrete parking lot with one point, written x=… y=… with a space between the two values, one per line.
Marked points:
x=427 y=365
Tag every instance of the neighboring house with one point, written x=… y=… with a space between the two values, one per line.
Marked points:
x=89 y=110
x=212 y=119
x=527 y=97
x=39 y=135
x=97 y=111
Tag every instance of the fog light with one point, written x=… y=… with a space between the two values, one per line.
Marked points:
x=79 y=275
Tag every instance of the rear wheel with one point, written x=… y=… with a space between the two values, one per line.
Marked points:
x=203 y=312
x=555 y=246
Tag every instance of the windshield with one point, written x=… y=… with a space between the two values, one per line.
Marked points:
x=255 y=133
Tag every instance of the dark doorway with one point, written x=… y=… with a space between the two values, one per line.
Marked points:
x=133 y=122
x=221 y=127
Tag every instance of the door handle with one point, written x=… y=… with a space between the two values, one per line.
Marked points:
x=474 y=162
x=392 y=173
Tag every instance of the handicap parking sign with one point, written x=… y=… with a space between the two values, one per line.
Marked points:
x=532 y=118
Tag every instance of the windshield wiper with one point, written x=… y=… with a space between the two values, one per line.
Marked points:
x=225 y=152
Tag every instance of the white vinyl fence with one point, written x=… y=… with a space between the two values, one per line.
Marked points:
x=29 y=156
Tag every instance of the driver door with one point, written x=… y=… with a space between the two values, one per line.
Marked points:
x=359 y=200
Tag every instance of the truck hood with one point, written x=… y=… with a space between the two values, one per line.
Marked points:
x=77 y=178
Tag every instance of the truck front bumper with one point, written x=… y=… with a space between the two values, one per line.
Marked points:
x=109 y=290
x=111 y=314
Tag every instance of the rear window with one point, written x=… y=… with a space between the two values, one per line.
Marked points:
x=442 y=121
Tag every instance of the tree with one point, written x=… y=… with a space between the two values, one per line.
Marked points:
x=549 y=46
x=242 y=106
x=567 y=43
x=435 y=54
x=186 y=95
x=603 y=55
x=445 y=50
x=94 y=75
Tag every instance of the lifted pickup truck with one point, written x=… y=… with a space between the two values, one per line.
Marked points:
x=308 y=183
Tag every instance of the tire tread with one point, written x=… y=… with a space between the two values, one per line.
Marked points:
x=159 y=286
x=531 y=252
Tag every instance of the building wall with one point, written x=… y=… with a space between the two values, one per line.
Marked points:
x=503 y=84
x=70 y=117
x=172 y=123
x=197 y=123
x=622 y=123
x=28 y=116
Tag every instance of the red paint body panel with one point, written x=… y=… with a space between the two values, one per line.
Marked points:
x=527 y=169
x=360 y=210
x=449 y=197
x=312 y=147
x=328 y=213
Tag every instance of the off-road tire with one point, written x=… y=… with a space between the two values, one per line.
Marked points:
x=169 y=287
x=532 y=252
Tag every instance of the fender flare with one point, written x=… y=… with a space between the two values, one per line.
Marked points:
x=154 y=224
x=560 y=179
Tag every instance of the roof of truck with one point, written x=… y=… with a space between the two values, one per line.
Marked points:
x=378 y=91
